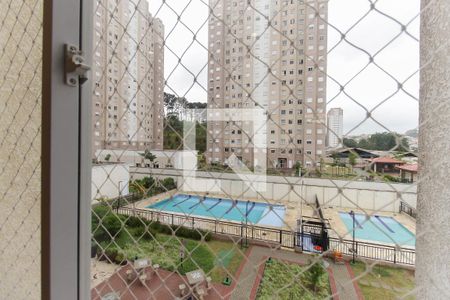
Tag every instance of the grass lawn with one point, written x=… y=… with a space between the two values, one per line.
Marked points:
x=228 y=258
x=214 y=257
x=384 y=282
x=291 y=281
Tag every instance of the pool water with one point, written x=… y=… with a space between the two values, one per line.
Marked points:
x=379 y=229
x=219 y=208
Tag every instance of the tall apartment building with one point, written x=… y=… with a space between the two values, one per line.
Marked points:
x=335 y=123
x=129 y=76
x=278 y=66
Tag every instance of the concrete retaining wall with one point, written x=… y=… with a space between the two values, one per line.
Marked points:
x=289 y=190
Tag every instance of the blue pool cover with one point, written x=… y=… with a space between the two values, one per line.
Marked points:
x=379 y=229
x=220 y=208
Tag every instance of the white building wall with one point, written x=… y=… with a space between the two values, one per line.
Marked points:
x=110 y=181
x=287 y=190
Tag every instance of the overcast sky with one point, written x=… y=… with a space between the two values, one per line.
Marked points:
x=371 y=87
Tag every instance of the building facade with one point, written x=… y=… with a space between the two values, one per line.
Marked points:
x=335 y=127
x=129 y=76
x=279 y=67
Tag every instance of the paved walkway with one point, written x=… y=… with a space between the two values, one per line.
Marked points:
x=250 y=274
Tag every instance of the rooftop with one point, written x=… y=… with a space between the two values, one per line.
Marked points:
x=408 y=167
x=386 y=160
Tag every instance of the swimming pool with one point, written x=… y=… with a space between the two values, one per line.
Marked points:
x=220 y=208
x=379 y=229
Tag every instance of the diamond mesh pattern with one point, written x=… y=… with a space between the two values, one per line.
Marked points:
x=132 y=171
x=20 y=132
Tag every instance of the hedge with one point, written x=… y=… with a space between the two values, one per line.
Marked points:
x=158 y=227
x=145 y=233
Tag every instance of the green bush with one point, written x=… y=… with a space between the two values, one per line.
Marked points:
x=169 y=183
x=111 y=253
x=390 y=178
x=135 y=222
x=147 y=182
x=98 y=213
x=120 y=258
x=145 y=233
x=181 y=231
x=194 y=234
x=161 y=228
x=314 y=275
x=112 y=223
x=110 y=226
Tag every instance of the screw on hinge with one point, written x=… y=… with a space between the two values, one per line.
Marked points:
x=75 y=68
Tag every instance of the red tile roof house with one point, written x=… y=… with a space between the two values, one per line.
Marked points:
x=408 y=172
x=385 y=165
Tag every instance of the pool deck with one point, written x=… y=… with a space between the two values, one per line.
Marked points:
x=295 y=211
x=292 y=212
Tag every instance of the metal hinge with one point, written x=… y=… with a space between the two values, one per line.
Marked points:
x=75 y=68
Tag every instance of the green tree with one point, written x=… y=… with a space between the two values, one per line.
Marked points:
x=351 y=143
x=352 y=158
x=363 y=143
x=383 y=141
x=298 y=168
x=173 y=133
x=336 y=159
x=200 y=137
x=201 y=159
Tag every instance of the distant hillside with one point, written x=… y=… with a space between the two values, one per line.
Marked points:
x=412 y=133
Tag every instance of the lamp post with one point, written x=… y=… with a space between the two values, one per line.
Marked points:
x=120 y=196
x=352 y=213
x=182 y=253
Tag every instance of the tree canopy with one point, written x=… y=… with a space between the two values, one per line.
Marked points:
x=384 y=141
x=173 y=134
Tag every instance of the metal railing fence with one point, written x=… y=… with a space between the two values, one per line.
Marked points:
x=408 y=209
x=283 y=238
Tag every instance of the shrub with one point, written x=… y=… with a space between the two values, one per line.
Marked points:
x=112 y=223
x=145 y=233
x=110 y=226
x=147 y=182
x=135 y=222
x=194 y=234
x=120 y=258
x=181 y=231
x=314 y=274
x=390 y=178
x=98 y=213
x=111 y=253
x=169 y=183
